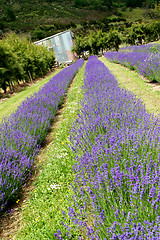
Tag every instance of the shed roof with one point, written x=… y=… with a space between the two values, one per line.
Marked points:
x=54 y=36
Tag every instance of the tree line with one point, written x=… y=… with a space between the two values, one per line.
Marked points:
x=22 y=61
x=115 y=3
x=98 y=41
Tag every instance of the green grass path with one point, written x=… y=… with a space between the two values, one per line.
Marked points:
x=11 y=104
x=135 y=83
x=42 y=214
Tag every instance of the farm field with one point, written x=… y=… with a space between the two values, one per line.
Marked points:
x=141 y=87
x=144 y=59
x=99 y=176
x=10 y=105
x=23 y=132
x=116 y=143
x=55 y=164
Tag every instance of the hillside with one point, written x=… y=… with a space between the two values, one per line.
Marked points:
x=43 y=18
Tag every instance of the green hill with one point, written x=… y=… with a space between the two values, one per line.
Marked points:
x=42 y=18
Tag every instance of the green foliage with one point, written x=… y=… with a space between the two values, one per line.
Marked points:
x=113 y=40
x=21 y=60
x=10 y=15
x=38 y=33
x=136 y=34
x=134 y=3
x=152 y=31
x=30 y=16
x=143 y=33
x=96 y=42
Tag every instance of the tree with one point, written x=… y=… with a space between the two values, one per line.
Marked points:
x=10 y=15
x=80 y=3
x=113 y=40
x=7 y=66
x=107 y=3
x=21 y=60
x=38 y=34
x=151 y=31
x=136 y=34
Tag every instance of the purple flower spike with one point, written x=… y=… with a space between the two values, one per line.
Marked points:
x=116 y=143
x=23 y=131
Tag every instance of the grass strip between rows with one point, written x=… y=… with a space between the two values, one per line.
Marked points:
x=135 y=83
x=11 y=104
x=116 y=143
x=42 y=214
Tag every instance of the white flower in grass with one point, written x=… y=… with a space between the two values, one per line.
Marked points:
x=55 y=186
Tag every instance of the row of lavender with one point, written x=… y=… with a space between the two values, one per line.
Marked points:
x=23 y=131
x=144 y=59
x=149 y=48
x=117 y=175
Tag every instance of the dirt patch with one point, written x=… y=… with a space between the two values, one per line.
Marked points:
x=11 y=221
x=154 y=85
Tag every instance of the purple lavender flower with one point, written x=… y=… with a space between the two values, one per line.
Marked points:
x=144 y=59
x=116 y=144
x=23 y=131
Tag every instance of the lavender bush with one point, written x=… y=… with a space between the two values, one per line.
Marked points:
x=149 y=48
x=23 y=131
x=144 y=59
x=117 y=176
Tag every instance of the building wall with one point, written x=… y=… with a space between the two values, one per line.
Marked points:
x=61 y=44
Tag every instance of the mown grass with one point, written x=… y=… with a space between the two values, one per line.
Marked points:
x=11 y=104
x=42 y=214
x=135 y=83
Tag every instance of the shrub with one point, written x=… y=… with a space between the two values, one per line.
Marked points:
x=22 y=60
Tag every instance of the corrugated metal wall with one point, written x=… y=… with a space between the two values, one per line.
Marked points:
x=61 y=44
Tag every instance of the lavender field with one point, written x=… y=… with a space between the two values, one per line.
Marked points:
x=23 y=132
x=145 y=59
x=116 y=143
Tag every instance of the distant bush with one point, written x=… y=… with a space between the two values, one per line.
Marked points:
x=143 y=33
x=22 y=61
x=96 y=42
x=38 y=34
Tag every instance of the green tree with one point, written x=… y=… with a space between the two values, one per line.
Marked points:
x=38 y=34
x=152 y=31
x=136 y=34
x=8 y=66
x=93 y=42
x=21 y=60
x=134 y=3
x=113 y=40
x=102 y=40
x=10 y=15
x=107 y=3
